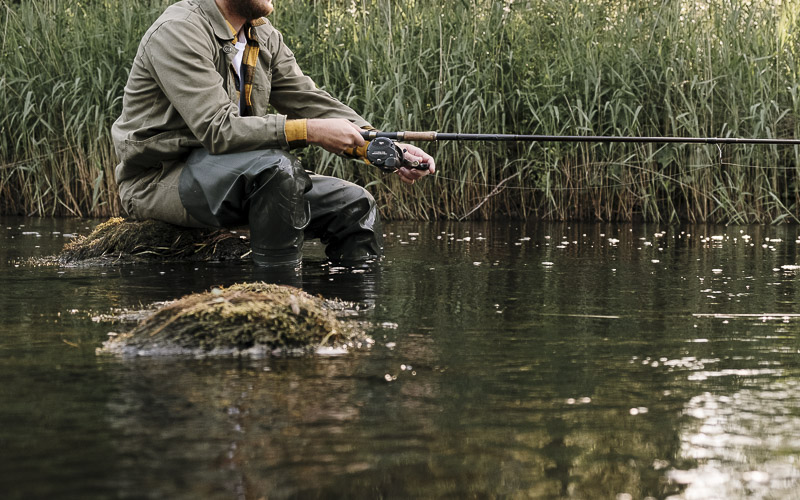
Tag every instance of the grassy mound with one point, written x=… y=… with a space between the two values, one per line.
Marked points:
x=120 y=239
x=252 y=318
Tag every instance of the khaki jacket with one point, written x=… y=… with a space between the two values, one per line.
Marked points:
x=181 y=93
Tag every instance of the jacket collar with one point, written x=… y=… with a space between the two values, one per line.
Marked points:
x=222 y=28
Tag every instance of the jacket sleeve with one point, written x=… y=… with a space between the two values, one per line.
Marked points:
x=296 y=95
x=181 y=59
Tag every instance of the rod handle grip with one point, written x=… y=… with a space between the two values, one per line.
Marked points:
x=419 y=136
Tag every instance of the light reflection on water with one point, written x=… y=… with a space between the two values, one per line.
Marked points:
x=745 y=443
x=546 y=361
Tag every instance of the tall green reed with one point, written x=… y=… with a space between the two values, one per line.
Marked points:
x=63 y=67
x=619 y=67
x=558 y=67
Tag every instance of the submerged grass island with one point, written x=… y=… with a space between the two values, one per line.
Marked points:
x=247 y=319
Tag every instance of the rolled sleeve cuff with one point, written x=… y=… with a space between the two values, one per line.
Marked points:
x=296 y=133
x=275 y=127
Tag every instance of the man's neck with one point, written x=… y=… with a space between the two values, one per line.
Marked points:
x=235 y=20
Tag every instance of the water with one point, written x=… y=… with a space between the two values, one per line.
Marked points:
x=519 y=360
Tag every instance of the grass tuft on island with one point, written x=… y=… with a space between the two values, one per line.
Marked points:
x=249 y=319
x=121 y=240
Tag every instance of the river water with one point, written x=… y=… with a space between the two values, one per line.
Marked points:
x=510 y=360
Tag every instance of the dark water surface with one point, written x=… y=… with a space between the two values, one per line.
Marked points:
x=511 y=360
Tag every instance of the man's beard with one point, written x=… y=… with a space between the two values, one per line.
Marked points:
x=252 y=9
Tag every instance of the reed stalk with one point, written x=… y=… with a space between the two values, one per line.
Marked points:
x=619 y=67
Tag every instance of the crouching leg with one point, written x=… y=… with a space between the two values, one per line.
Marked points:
x=345 y=217
x=264 y=189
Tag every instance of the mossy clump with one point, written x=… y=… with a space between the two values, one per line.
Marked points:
x=119 y=239
x=244 y=319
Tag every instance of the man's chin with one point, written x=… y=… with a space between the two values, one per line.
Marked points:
x=255 y=9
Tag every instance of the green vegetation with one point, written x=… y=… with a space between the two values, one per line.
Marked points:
x=621 y=67
x=63 y=68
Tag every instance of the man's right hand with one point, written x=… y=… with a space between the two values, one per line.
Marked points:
x=336 y=135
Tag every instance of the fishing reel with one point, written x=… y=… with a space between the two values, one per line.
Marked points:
x=388 y=156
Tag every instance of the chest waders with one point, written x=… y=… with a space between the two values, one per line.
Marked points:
x=283 y=204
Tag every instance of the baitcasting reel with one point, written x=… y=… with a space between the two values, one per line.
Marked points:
x=387 y=156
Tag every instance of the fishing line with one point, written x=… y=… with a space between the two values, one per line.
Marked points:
x=573 y=189
x=675 y=178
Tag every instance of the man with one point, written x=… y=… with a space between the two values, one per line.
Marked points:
x=198 y=147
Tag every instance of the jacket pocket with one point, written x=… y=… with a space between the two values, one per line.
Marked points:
x=165 y=146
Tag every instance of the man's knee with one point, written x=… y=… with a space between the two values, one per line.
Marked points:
x=338 y=204
x=282 y=172
x=362 y=198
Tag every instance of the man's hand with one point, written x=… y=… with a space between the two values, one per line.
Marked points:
x=334 y=134
x=411 y=154
x=338 y=135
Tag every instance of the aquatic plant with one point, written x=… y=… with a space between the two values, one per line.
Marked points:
x=248 y=318
x=63 y=67
x=118 y=239
x=620 y=67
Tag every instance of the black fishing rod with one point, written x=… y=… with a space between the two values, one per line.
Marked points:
x=439 y=136
x=382 y=152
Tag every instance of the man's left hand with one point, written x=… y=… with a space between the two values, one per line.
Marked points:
x=412 y=154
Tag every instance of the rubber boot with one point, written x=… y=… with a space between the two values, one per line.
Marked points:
x=278 y=214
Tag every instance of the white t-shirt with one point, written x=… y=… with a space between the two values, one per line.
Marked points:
x=237 y=59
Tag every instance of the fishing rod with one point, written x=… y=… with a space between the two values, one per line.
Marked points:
x=382 y=151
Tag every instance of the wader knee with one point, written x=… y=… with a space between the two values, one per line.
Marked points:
x=278 y=213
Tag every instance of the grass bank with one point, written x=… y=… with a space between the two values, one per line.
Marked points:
x=622 y=67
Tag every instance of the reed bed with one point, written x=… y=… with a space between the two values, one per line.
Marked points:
x=63 y=69
x=619 y=67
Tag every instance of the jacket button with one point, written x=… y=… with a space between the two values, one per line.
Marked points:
x=228 y=49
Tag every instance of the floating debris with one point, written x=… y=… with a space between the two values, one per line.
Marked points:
x=120 y=241
x=250 y=319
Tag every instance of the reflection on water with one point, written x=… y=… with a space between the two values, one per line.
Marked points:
x=745 y=443
x=522 y=360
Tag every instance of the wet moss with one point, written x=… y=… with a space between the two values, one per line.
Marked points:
x=251 y=318
x=124 y=240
